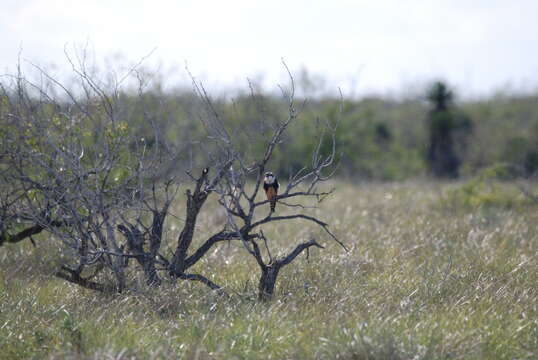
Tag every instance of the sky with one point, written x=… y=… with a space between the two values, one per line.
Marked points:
x=380 y=47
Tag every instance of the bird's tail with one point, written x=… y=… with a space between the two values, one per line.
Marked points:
x=273 y=204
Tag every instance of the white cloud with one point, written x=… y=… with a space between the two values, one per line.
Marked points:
x=477 y=45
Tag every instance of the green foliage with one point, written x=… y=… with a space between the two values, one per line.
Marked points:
x=530 y=163
x=440 y=96
x=378 y=139
x=444 y=124
x=505 y=130
x=488 y=189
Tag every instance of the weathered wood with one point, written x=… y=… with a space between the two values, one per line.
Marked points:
x=267 y=282
x=74 y=277
x=135 y=244
x=26 y=233
x=269 y=272
x=195 y=201
x=204 y=280
x=208 y=244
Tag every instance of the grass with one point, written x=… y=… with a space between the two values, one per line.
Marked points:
x=425 y=279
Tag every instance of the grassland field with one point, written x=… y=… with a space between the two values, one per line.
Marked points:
x=428 y=276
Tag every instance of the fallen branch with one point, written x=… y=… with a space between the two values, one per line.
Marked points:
x=74 y=277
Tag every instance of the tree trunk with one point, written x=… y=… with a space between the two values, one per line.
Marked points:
x=267 y=283
x=195 y=201
x=152 y=279
x=135 y=243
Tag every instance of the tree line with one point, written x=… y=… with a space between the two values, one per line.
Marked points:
x=434 y=134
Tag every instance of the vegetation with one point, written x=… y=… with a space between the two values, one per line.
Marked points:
x=378 y=138
x=387 y=139
x=427 y=281
x=106 y=207
x=443 y=124
x=93 y=220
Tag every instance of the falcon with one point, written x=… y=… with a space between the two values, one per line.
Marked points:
x=270 y=185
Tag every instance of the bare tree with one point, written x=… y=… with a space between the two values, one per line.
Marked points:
x=73 y=164
x=242 y=205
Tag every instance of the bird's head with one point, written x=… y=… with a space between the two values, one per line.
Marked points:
x=269 y=178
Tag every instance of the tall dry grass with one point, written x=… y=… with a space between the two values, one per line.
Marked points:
x=425 y=279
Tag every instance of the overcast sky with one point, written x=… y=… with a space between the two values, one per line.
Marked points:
x=381 y=46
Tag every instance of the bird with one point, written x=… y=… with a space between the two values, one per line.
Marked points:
x=270 y=185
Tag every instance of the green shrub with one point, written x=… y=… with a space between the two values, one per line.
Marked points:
x=490 y=188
